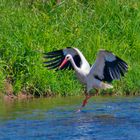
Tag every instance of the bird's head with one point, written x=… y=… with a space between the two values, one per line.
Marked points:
x=67 y=58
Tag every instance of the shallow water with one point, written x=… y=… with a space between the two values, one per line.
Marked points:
x=104 y=118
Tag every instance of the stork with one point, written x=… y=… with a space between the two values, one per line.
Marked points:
x=107 y=67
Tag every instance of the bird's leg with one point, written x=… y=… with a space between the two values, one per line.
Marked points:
x=84 y=102
x=97 y=92
x=89 y=96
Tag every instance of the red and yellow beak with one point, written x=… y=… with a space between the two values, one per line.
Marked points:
x=63 y=63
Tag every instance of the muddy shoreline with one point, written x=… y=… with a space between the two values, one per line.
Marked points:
x=8 y=93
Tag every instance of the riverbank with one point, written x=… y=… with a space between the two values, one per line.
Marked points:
x=28 y=30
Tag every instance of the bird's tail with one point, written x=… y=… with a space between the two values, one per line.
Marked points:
x=106 y=86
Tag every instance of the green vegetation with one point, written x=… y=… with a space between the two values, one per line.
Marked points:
x=27 y=30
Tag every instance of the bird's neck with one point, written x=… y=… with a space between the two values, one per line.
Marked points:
x=83 y=58
x=74 y=65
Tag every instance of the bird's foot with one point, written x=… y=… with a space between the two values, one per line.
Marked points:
x=79 y=110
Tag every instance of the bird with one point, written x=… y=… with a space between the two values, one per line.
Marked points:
x=107 y=67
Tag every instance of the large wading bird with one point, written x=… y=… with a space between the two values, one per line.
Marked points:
x=107 y=67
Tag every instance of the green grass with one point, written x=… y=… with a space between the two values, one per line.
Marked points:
x=27 y=30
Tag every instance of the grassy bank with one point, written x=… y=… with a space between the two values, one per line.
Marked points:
x=29 y=29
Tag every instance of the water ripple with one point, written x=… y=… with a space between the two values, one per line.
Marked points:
x=109 y=120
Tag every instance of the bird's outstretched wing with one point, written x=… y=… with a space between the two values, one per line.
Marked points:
x=108 y=67
x=55 y=58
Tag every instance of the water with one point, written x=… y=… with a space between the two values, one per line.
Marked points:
x=104 y=118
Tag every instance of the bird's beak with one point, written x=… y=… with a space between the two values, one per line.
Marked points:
x=63 y=63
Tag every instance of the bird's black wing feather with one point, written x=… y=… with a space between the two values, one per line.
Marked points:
x=55 y=58
x=114 y=69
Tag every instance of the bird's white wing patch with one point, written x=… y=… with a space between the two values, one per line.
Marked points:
x=109 y=56
x=98 y=66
